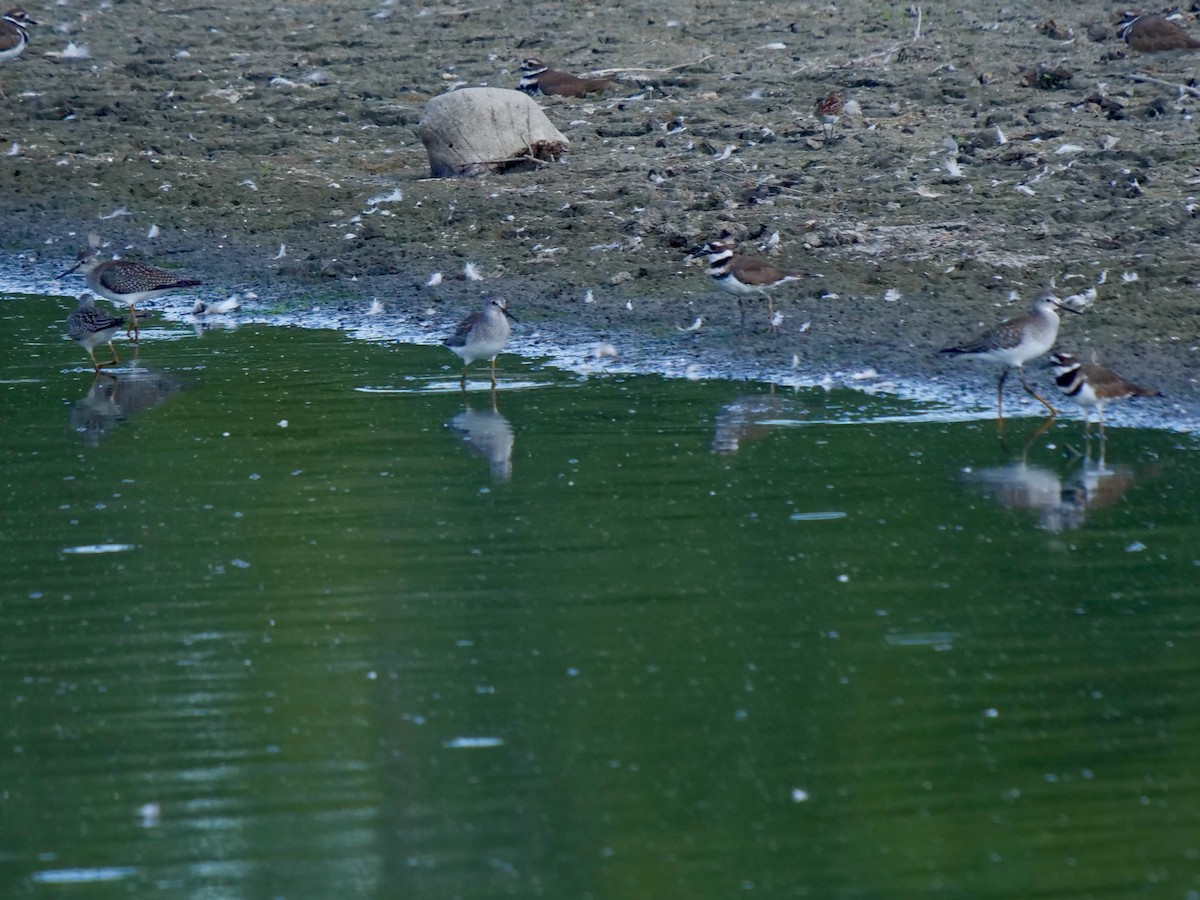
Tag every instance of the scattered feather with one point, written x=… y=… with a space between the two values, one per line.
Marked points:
x=891 y=295
x=1129 y=276
x=248 y=183
x=220 y=308
x=434 y=280
x=1103 y=279
x=774 y=45
x=1025 y=189
x=14 y=150
x=393 y=196
x=1083 y=300
x=588 y=298
x=153 y=232
x=604 y=351
x=115 y=214
x=864 y=375
x=282 y=251
x=953 y=169
x=1069 y=148
x=851 y=108
x=376 y=308
x=726 y=153
x=629 y=305
x=777 y=319
x=471 y=272
x=923 y=191
x=1000 y=138
x=695 y=326
x=805 y=326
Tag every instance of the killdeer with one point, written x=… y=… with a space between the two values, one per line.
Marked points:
x=127 y=283
x=1092 y=386
x=537 y=77
x=829 y=110
x=482 y=335
x=744 y=275
x=89 y=328
x=1015 y=342
x=14 y=37
x=1154 y=34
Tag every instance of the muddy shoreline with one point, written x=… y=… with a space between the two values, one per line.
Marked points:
x=273 y=149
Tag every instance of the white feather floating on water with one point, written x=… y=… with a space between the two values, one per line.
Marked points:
x=376 y=307
x=220 y=308
x=604 y=351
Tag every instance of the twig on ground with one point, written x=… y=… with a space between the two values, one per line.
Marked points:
x=1182 y=88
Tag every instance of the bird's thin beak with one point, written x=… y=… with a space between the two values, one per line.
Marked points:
x=511 y=317
x=70 y=270
x=1061 y=305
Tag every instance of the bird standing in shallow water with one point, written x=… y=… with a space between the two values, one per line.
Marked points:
x=1016 y=341
x=126 y=282
x=90 y=327
x=1092 y=386
x=482 y=335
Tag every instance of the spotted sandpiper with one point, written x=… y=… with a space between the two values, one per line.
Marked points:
x=90 y=327
x=743 y=275
x=1092 y=386
x=1015 y=342
x=482 y=335
x=14 y=36
x=126 y=282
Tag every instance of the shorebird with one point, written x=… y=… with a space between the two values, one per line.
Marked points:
x=89 y=328
x=14 y=37
x=1015 y=342
x=829 y=110
x=537 y=77
x=1154 y=34
x=1092 y=386
x=482 y=335
x=126 y=282
x=744 y=275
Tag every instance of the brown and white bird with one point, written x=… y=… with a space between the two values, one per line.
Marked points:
x=538 y=78
x=14 y=36
x=90 y=328
x=1015 y=342
x=829 y=110
x=1154 y=34
x=1093 y=386
x=126 y=282
x=744 y=275
x=482 y=335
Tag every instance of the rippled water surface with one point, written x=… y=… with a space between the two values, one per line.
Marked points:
x=288 y=615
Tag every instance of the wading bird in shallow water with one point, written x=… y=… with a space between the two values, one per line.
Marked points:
x=1015 y=342
x=90 y=327
x=482 y=335
x=1092 y=386
x=14 y=37
x=126 y=282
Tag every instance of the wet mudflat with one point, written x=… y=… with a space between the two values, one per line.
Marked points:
x=287 y=614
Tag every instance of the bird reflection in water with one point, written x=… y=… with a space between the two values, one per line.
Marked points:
x=749 y=418
x=487 y=434
x=1061 y=502
x=113 y=399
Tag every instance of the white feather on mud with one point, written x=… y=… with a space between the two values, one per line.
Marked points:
x=471 y=272
x=434 y=280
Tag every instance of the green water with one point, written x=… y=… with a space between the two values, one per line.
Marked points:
x=280 y=618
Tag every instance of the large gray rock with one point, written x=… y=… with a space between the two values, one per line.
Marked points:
x=478 y=130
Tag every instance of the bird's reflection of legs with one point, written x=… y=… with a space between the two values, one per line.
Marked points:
x=1041 y=430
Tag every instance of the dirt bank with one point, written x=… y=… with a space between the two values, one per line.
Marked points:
x=967 y=174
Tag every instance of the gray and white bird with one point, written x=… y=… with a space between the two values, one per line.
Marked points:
x=126 y=282
x=90 y=328
x=1015 y=342
x=1093 y=386
x=482 y=335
